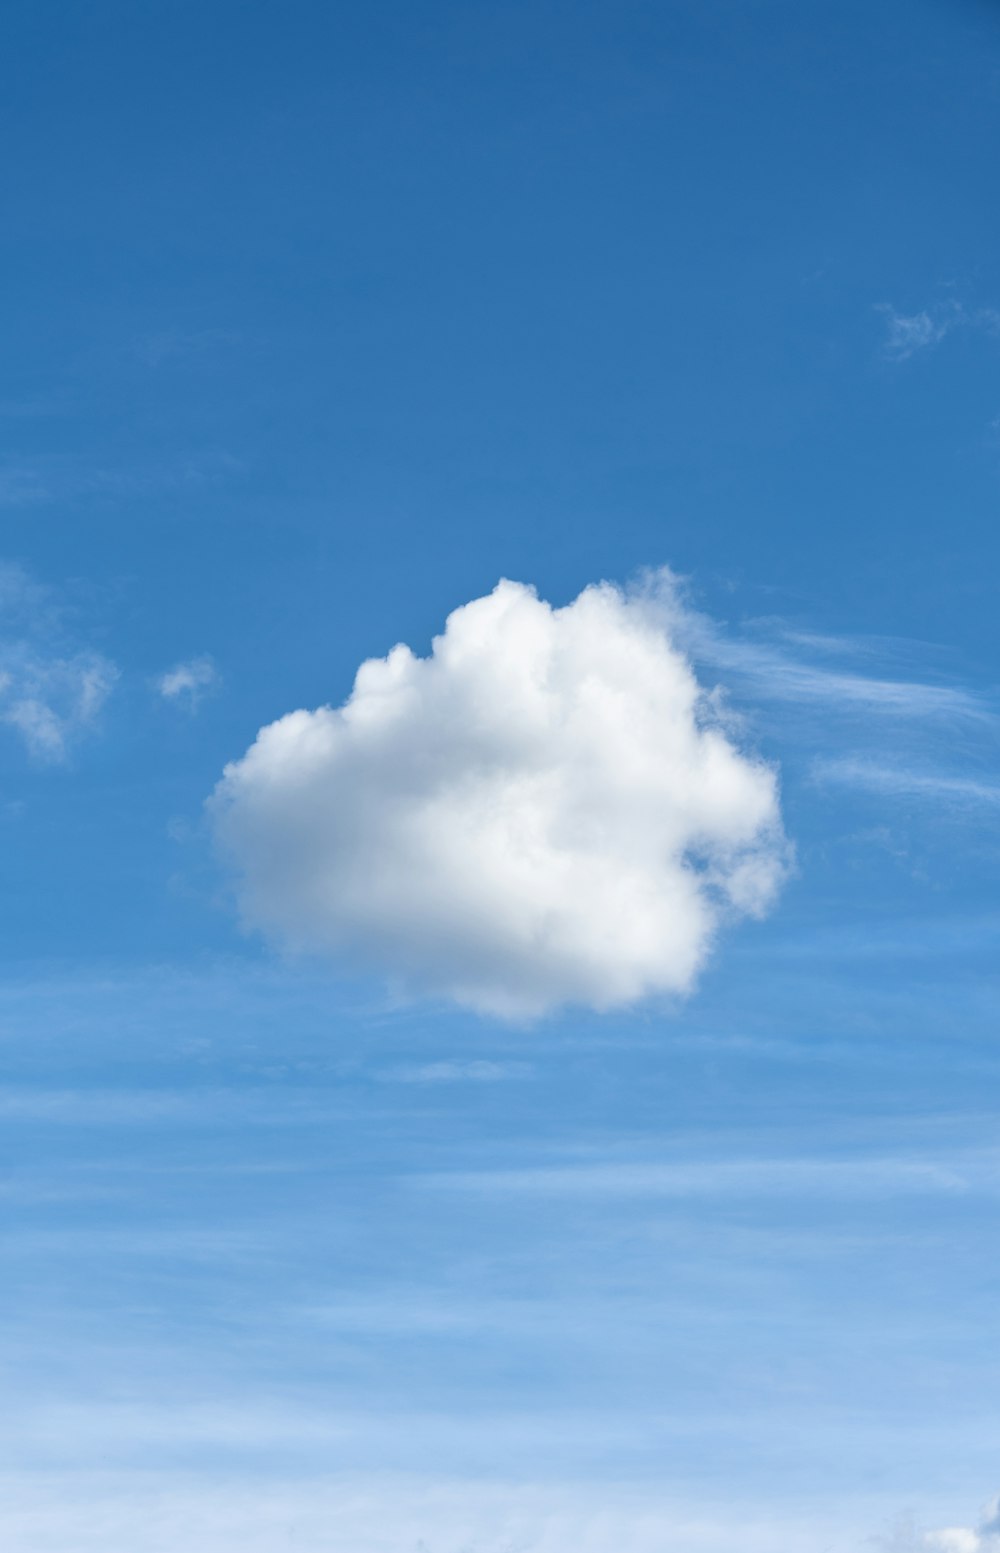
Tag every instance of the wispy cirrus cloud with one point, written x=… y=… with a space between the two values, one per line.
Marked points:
x=805 y=1177
x=780 y=676
x=904 y=782
x=31 y=483
x=51 y=690
x=144 y=1108
x=906 y=334
x=767 y=661
x=455 y=1071
x=881 y=716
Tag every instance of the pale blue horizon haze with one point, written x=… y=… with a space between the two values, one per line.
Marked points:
x=629 y=1183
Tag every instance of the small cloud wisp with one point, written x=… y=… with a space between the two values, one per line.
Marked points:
x=49 y=692
x=187 y=683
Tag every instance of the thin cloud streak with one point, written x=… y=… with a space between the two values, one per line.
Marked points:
x=898 y=781
x=454 y=1071
x=737 y=1178
x=770 y=672
x=209 y=1107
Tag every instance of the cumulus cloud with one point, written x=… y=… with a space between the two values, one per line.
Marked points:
x=546 y=810
x=186 y=683
x=49 y=693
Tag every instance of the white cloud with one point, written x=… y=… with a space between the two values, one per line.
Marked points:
x=186 y=683
x=983 y=1538
x=49 y=693
x=545 y=810
x=958 y=1539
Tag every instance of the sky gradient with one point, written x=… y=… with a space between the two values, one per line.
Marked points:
x=318 y=321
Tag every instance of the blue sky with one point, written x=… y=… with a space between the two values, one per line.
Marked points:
x=318 y=321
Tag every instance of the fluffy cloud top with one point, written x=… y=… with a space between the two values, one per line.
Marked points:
x=545 y=810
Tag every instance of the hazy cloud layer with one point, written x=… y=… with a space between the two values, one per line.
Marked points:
x=104 y=1512
x=545 y=810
